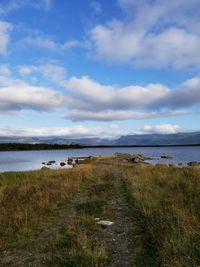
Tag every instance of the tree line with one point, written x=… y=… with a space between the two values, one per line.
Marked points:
x=21 y=147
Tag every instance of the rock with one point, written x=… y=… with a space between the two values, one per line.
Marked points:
x=69 y=161
x=105 y=223
x=62 y=164
x=193 y=163
x=43 y=163
x=52 y=161
x=135 y=160
x=138 y=158
x=166 y=157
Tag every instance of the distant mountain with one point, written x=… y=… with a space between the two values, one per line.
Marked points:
x=27 y=140
x=160 y=139
x=81 y=141
x=135 y=139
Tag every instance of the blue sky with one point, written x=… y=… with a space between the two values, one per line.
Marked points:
x=99 y=68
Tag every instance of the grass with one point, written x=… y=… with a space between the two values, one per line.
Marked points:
x=28 y=199
x=76 y=246
x=78 y=242
x=168 y=201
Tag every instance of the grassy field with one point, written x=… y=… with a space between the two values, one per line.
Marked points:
x=168 y=199
x=49 y=217
x=27 y=199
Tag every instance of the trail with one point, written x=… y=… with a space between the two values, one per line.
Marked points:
x=117 y=238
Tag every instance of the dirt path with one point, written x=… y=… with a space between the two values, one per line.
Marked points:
x=117 y=237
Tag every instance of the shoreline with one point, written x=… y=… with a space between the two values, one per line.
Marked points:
x=7 y=147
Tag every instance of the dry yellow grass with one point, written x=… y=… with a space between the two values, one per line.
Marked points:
x=169 y=199
x=27 y=197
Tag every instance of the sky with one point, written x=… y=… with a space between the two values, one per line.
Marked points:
x=87 y=68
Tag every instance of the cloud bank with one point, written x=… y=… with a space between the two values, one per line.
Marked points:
x=17 y=95
x=90 y=100
x=77 y=131
x=80 y=131
x=151 y=34
x=83 y=98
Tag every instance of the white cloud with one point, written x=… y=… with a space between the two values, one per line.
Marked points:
x=4 y=71
x=5 y=29
x=80 y=131
x=46 y=42
x=114 y=97
x=50 y=71
x=23 y=96
x=96 y=6
x=71 y=44
x=17 y=95
x=160 y=129
x=77 y=131
x=39 y=41
x=14 y=5
x=90 y=100
x=117 y=115
x=87 y=99
x=152 y=33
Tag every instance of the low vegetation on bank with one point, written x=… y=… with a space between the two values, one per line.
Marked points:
x=50 y=217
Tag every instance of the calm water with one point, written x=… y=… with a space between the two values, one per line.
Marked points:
x=32 y=160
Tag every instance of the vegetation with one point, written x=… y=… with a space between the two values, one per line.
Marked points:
x=45 y=146
x=20 y=146
x=28 y=198
x=49 y=218
x=168 y=202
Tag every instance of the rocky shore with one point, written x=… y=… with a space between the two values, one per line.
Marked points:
x=130 y=158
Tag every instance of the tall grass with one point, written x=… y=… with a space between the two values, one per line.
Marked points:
x=169 y=201
x=26 y=198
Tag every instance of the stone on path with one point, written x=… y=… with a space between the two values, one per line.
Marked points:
x=105 y=223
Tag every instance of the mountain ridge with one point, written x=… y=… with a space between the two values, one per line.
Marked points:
x=190 y=138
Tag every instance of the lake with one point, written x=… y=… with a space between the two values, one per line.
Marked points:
x=32 y=160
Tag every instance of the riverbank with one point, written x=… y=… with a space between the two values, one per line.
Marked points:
x=51 y=217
